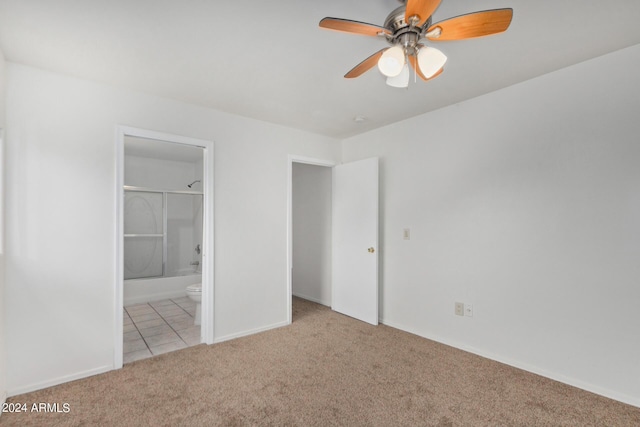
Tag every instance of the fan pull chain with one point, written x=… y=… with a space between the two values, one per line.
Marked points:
x=406 y=61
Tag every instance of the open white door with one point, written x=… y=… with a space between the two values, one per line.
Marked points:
x=355 y=240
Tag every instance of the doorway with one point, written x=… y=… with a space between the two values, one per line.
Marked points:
x=164 y=238
x=332 y=246
x=309 y=247
x=311 y=224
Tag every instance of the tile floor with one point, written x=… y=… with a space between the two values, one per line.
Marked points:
x=159 y=327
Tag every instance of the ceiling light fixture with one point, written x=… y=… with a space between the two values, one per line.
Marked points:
x=408 y=28
x=394 y=62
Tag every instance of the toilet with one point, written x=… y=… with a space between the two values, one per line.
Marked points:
x=195 y=293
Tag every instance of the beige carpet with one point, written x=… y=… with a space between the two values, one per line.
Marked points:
x=325 y=369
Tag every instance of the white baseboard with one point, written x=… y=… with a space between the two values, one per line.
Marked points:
x=312 y=299
x=59 y=380
x=250 y=332
x=630 y=400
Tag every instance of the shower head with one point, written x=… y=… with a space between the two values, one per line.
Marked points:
x=189 y=185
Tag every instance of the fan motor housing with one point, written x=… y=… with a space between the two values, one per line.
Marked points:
x=403 y=33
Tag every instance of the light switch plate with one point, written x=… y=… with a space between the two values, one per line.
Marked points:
x=459 y=309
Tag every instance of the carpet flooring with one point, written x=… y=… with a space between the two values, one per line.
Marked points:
x=325 y=369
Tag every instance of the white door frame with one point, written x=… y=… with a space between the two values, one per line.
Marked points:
x=308 y=161
x=207 y=327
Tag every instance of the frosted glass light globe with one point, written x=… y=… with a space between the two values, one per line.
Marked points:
x=401 y=80
x=430 y=61
x=392 y=61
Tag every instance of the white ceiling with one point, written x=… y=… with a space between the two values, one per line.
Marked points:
x=268 y=60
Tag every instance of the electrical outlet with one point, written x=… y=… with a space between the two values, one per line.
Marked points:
x=459 y=309
x=468 y=310
x=406 y=234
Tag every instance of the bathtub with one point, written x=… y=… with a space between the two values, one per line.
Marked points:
x=146 y=290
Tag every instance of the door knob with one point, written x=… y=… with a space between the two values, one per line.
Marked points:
x=371 y=250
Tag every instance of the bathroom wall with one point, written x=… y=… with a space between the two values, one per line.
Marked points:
x=159 y=174
x=524 y=203
x=60 y=257
x=311 y=213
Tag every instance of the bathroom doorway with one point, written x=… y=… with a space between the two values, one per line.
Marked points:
x=164 y=290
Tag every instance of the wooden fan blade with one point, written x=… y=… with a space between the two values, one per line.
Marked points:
x=353 y=27
x=478 y=24
x=421 y=8
x=414 y=63
x=436 y=74
x=365 y=65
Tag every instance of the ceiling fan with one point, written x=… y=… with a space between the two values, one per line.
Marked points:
x=407 y=28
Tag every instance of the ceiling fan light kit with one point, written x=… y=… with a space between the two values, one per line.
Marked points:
x=407 y=28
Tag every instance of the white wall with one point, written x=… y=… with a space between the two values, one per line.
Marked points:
x=2 y=89
x=3 y=368
x=60 y=252
x=525 y=203
x=159 y=174
x=311 y=226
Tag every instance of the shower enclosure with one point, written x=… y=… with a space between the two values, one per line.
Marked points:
x=162 y=233
x=162 y=242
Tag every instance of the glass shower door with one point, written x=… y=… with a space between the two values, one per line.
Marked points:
x=143 y=234
x=184 y=234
